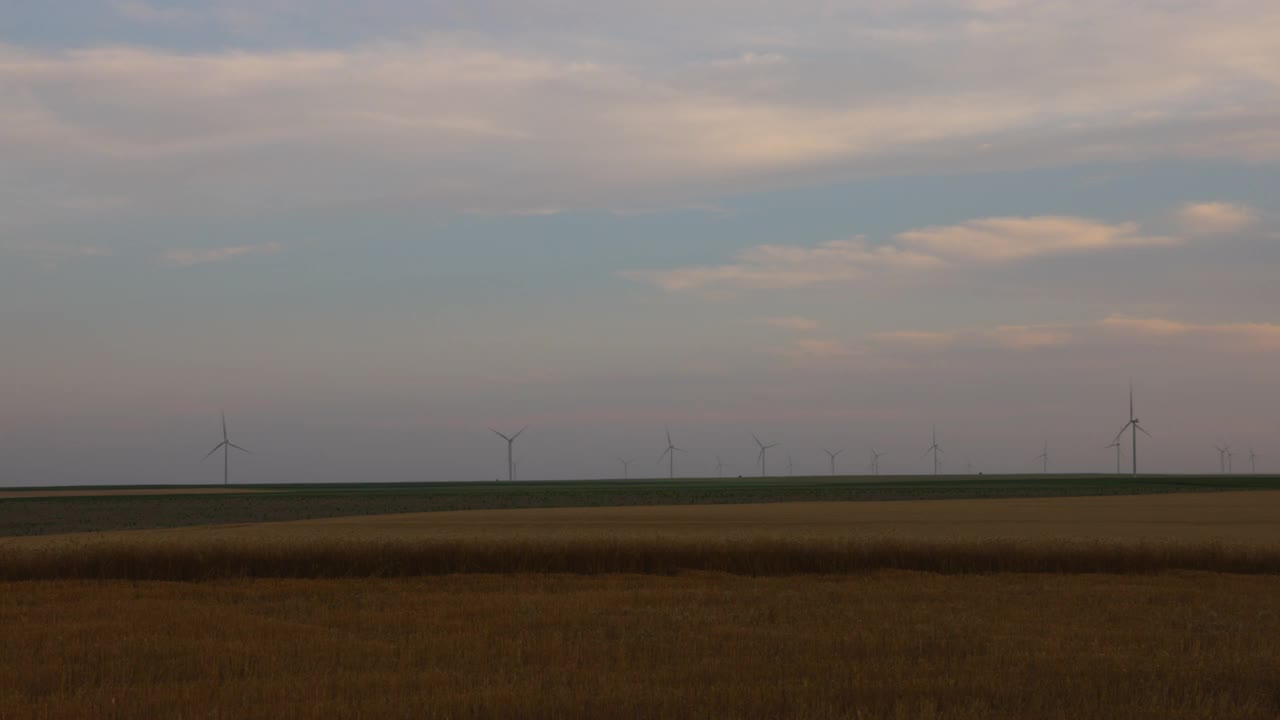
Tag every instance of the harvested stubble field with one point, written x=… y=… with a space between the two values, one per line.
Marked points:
x=1142 y=607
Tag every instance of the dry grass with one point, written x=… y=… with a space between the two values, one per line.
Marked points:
x=203 y=560
x=884 y=645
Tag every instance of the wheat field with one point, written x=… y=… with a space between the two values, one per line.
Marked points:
x=1080 y=608
x=883 y=645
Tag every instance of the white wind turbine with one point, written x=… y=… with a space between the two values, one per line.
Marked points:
x=791 y=468
x=720 y=466
x=875 y=461
x=1253 y=458
x=670 y=455
x=761 y=457
x=1116 y=444
x=1045 y=457
x=511 y=440
x=225 y=446
x=626 y=468
x=1133 y=427
x=1223 y=452
x=935 y=449
x=833 y=456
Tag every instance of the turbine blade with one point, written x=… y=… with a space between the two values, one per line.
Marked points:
x=224 y=426
x=215 y=449
x=504 y=437
x=513 y=437
x=753 y=437
x=239 y=448
x=1144 y=431
x=664 y=454
x=668 y=435
x=1121 y=433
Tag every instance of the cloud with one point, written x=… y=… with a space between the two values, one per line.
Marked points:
x=788 y=323
x=1012 y=238
x=787 y=266
x=189 y=257
x=1125 y=328
x=1234 y=335
x=590 y=116
x=1212 y=218
x=983 y=241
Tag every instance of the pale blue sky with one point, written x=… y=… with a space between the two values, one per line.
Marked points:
x=369 y=232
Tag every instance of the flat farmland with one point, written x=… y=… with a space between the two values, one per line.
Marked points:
x=882 y=645
x=34 y=511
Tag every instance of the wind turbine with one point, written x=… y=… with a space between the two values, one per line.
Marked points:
x=1223 y=452
x=1133 y=423
x=875 y=461
x=763 y=448
x=626 y=468
x=1229 y=456
x=833 y=455
x=1253 y=457
x=1045 y=457
x=1117 y=446
x=935 y=449
x=225 y=446
x=791 y=469
x=670 y=454
x=720 y=466
x=511 y=440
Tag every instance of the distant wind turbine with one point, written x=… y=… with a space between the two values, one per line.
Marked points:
x=511 y=441
x=1116 y=444
x=626 y=468
x=935 y=449
x=670 y=455
x=761 y=457
x=791 y=469
x=833 y=456
x=875 y=461
x=1133 y=427
x=1229 y=456
x=225 y=446
x=720 y=466
x=1045 y=457
x=1223 y=452
x=1253 y=457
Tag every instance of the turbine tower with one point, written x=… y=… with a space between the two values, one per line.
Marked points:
x=670 y=454
x=791 y=469
x=1253 y=458
x=761 y=457
x=225 y=446
x=626 y=468
x=1133 y=427
x=511 y=440
x=1117 y=446
x=1223 y=452
x=833 y=456
x=1045 y=457
x=720 y=466
x=1229 y=456
x=935 y=449
x=875 y=461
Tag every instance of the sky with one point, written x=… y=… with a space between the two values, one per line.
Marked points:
x=369 y=232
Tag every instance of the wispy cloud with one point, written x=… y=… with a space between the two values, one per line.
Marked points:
x=189 y=257
x=1111 y=331
x=1212 y=218
x=477 y=120
x=983 y=241
x=788 y=323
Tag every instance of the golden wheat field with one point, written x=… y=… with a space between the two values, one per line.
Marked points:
x=1081 y=608
x=884 y=645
